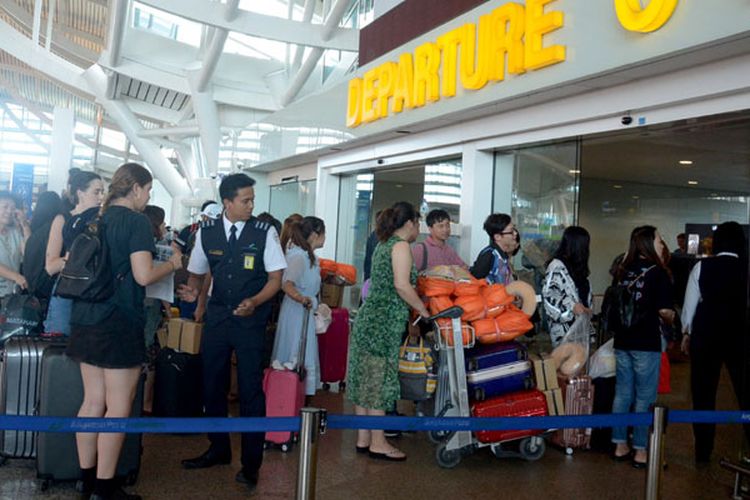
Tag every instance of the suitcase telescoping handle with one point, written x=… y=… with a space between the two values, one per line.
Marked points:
x=307 y=311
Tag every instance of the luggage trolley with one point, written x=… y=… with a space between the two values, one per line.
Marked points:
x=452 y=400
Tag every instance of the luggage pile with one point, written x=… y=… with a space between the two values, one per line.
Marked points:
x=334 y=277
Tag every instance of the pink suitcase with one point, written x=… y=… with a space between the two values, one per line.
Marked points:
x=578 y=397
x=333 y=347
x=285 y=393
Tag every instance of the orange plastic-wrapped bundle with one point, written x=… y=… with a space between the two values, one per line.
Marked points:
x=485 y=326
x=469 y=287
x=440 y=303
x=327 y=268
x=474 y=307
x=497 y=299
x=446 y=330
x=434 y=287
x=509 y=325
x=346 y=272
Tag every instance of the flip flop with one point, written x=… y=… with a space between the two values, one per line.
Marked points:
x=387 y=457
x=363 y=449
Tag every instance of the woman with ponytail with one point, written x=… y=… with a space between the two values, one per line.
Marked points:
x=85 y=195
x=372 y=380
x=300 y=283
x=107 y=337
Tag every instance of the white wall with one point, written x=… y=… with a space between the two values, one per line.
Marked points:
x=303 y=173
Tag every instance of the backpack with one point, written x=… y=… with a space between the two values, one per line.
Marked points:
x=87 y=274
x=619 y=308
x=34 y=261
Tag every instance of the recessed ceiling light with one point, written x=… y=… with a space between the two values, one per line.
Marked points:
x=714 y=194
x=617 y=186
x=574 y=171
x=693 y=183
x=636 y=197
x=399 y=185
x=686 y=162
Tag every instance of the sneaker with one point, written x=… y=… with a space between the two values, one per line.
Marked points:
x=392 y=434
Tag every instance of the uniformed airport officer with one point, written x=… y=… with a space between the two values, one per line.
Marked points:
x=246 y=262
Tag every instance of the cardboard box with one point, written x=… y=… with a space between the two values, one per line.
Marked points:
x=555 y=404
x=184 y=335
x=332 y=295
x=545 y=371
x=161 y=335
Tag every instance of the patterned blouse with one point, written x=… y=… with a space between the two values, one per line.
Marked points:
x=560 y=295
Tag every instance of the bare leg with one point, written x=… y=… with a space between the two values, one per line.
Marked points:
x=363 y=435
x=378 y=443
x=93 y=406
x=120 y=386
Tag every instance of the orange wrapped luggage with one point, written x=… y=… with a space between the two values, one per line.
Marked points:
x=497 y=299
x=440 y=303
x=446 y=330
x=347 y=273
x=474 y=307
x=434 y=287
x=469 y=287
x=327 y=268
x=509 y=325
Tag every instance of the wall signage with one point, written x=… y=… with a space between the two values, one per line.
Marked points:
x=635 y=17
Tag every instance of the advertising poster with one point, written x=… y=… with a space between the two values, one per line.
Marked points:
x=22 y=183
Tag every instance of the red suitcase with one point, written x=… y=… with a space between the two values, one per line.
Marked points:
x=333 y=347
x=285 y=392
x=578 y=396
x=530 y=403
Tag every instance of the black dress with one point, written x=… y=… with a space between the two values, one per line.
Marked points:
x=109 y=334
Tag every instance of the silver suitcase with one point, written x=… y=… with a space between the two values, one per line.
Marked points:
x=19 y=384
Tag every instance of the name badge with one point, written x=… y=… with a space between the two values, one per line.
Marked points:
x=249 y=262
x=216 y=252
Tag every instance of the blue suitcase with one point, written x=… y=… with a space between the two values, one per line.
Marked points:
x=492 y=355
x=503 y=379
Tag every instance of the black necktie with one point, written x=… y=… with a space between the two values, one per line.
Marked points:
x=232 y=236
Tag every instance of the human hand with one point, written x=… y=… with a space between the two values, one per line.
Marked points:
x=246 y=308
x=187 y=293
x=199 y=312
x=685 y=346
x=20 y=217
x=306 y=302
x=579 y=309
x=20 y=281
x=176 y=260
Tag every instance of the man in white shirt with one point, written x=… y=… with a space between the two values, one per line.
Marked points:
x=246 y=262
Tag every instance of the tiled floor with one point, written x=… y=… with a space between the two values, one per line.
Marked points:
x=344 y=474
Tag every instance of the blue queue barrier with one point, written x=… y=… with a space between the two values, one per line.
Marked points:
x=334 y=421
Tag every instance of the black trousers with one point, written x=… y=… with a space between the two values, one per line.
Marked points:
x=218 y=342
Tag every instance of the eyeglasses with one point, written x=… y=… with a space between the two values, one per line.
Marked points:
x=514 y=231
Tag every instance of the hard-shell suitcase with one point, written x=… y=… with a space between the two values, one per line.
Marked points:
x=604 y=396
x=19 y=382
x=333 y=347
x=531 y=403
x=61 y=395
x=490 y=355
x=285 y=391
x=178 y=384
x=503 y=379
x=578 y=396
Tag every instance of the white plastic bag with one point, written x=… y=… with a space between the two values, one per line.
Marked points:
x=572 y=353
x=323 y=319
x=603 y=362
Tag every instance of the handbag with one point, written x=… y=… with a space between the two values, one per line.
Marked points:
x=22 y=315
x=416 y=371
x=323 y=318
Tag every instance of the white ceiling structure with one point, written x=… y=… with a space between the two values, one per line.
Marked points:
x=183 y=75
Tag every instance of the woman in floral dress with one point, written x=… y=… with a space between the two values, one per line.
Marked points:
x=372 y=382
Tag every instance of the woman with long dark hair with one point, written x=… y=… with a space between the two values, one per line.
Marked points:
x=372 y=380
x=300 y=283
x=567 y=290
x=638 y=346
x=107 y=337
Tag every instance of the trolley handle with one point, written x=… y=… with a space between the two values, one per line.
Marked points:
x=453 y=312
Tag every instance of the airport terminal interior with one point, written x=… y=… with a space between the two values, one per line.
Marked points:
x=341 y=108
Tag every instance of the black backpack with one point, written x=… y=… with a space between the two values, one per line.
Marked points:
x=619 y=307
x=87 y=274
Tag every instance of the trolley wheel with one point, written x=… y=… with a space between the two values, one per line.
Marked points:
x=44 y=484
x=342 y=386
x=568 y=450
x=447 y=459
x=437 y=437
x=532 y=448
x=266 y=445
x=285 y=447
x=326 y=387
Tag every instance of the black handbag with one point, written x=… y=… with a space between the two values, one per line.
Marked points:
x=22 y=315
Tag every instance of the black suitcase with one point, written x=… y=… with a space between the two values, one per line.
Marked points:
x=60 y=395
x=604 y=396
x=178 y=385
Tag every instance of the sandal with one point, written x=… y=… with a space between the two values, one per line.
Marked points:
x=388 y=456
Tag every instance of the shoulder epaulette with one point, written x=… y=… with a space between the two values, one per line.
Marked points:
x=208 y=223
x=263 y=226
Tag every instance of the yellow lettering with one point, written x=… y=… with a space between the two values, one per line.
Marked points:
x=426 y=78
x=539 y=24
x=386 y=85
x=404 y=85
x=369 y=94
x=353 y=103
x=448 y=45
x=473 y=69
x=505 y=30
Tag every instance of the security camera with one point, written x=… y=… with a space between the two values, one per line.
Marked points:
x=380 y=161
x=626 y=120
x=213 y=175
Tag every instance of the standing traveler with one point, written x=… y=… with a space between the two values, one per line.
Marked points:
x=48 y=206
x=286 y=230
x=301 y=284
x=638 y=347
x=14 y=231
x=435 y=250
x=85 y=194
x=246 y=263
x=567 y=291
x=493 y=262
x=107 y=336
x=714 y=325
x=372 y=381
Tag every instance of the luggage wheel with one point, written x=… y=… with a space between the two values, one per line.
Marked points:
x=286 y=447
x=437 y=437
x=45 y=484
x=532 y=448
x=446 y=458
x=326 y=387
x=568 y=450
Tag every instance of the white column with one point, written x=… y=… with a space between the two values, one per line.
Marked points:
x=327 y=188
x=262 y=192
x=476 y=200
x=61 y=152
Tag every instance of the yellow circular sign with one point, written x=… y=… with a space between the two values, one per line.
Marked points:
x=634 y=17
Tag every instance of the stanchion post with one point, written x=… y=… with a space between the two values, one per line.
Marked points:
x=656 y=453
x=311 y=427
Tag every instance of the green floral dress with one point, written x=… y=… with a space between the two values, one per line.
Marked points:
x=372 y=381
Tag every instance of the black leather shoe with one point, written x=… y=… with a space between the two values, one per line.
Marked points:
x=208 y=459
x=248 y=478
x=119 y=494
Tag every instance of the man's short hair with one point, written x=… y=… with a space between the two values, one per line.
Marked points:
x=437 y=215
x=233 y=183
x=495 y=224
x=681 y=236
